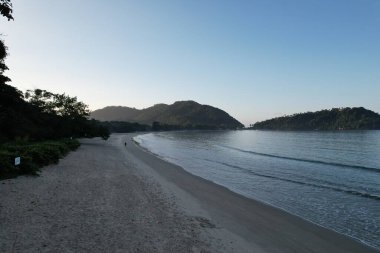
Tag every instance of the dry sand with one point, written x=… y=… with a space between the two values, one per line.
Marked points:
x=106 y=197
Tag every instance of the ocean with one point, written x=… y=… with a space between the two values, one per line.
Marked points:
x=329 y=178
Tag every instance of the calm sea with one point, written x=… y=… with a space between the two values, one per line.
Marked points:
x=329 y=178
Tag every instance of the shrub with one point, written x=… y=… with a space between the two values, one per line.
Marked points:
x=33 y=156
x=7 y=169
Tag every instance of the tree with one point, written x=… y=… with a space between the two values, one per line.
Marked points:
x=6 y=9
x=40 y=114
x=3 y=55
x=58 y=104
x=3 y=67
x=68 y=115
x=156 y=126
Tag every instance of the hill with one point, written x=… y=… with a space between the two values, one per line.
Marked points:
x=357 y=118
x=185 y=114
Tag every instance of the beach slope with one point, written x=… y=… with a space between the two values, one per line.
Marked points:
x=108 y=197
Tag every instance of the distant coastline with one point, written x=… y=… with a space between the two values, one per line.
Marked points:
x=356 y=118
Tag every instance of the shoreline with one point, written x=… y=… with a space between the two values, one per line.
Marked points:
x=248 y=199
x=112 y=197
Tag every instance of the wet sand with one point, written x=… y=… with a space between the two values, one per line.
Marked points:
x=106 y=197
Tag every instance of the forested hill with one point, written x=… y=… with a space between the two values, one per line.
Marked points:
x=182 y=113
x=357 y=118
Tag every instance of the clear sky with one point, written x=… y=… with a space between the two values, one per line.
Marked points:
x=254 y=59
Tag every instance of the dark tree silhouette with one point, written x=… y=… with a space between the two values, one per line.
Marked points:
x=59 y=104
x=156 y=126
x=6 y=9
x=3 y=55
x=40 y=114
x=43 y=115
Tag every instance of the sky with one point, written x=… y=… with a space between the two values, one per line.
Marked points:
x=255 y=59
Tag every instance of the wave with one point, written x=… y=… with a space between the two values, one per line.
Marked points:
x=304 y=160
x=329 y=187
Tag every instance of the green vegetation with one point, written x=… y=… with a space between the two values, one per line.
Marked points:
x=38 y=126
x=157 y=126
x=33 y=156
x=124 y=127
x=33 y=129
x=357 y=118
x=180 y=115
x=128 y=127
x=37 y=117
x=6 y=9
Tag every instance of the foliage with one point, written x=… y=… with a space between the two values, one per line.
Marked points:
x=128 y=127
x=357 y=118
x=157 y=126
x=33 y=156
x=3 y=67
x=6 y=9
x=3 y=55
x=92 y=128
x=59 y=104
x=43 y=116
x=38 y=116
x=124 y=127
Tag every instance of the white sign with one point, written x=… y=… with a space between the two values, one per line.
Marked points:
x=17 y=161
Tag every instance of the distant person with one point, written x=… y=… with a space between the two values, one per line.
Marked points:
x=125 y=143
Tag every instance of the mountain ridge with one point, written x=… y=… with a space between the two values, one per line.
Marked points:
x=181 y=113
x=355 y=118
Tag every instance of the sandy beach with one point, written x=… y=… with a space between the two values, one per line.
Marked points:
x=108 y=197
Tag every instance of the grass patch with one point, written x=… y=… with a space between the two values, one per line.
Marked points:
x=33 y=156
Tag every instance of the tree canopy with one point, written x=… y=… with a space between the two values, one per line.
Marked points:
x=6 y=9
x=3 y=67
x=42 y=115
x=59 y=104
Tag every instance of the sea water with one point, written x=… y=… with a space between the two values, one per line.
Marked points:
x=329 y=178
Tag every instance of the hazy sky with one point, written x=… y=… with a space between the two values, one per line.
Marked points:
x=253 y=59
